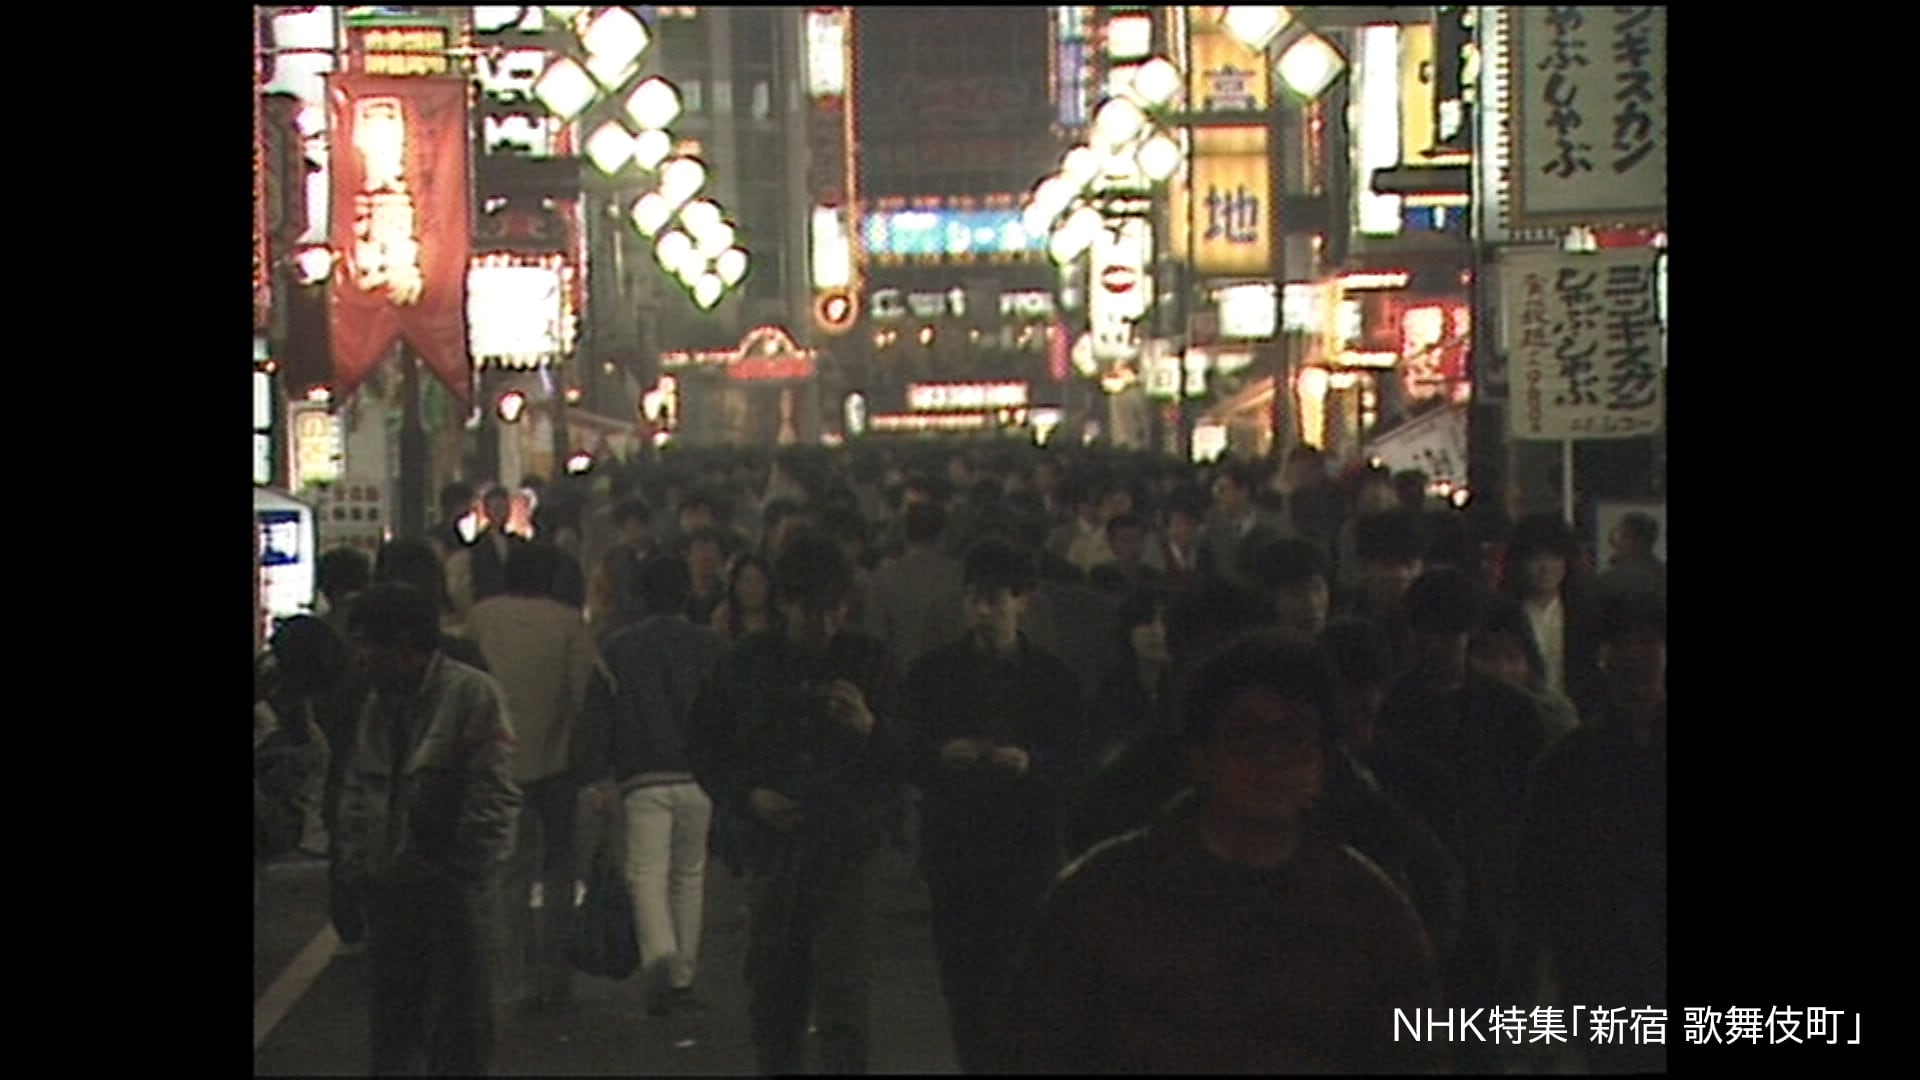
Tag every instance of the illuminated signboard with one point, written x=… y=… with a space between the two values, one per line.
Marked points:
x=398 y=50
x=767 y=352
x=518 y=312
x=826 y=53
x=319 y=445
x=770 y=368
x=961 y=397
x=949 y=234
x=973 y=421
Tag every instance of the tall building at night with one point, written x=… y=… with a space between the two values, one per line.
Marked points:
x=953 y=125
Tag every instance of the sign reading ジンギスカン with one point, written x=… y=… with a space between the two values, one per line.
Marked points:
x=1589 y=115
x=1583 y=345
x=400 y=224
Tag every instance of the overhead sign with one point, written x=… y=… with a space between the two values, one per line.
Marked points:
x=518 y=310
x=894 y=305
x=319 y=445
x=949 y=234
x=1121 y=290
x=410 y=49
x=1584 y=345
x=1249 y=311
x=1225 y=75
x=1225 y=227
x=766 y=352
x=400 y=224
x=1589 y=115
x=962 y=397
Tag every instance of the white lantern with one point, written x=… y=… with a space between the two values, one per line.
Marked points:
x=1310 y=65
x=1160 y=158
x=672 y=248
x=681 y=178
x=1156 y=83
x=615 y=39
x=1118 y=121
x=1080 y=166
x=565 y=89
x=651 y=213
x=707 y=290
x=1256 y=27
x=654 y=104
x=610 y=147
x=714 y=242
x=652 y=148
x=699 y=217
x=731 y=266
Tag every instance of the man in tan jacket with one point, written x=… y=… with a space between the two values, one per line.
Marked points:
x=542 y=654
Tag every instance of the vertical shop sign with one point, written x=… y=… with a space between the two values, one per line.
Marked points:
x=400 y=224
x=1590 y=115
x=1584 y=345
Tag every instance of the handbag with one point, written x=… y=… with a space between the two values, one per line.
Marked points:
x=605 y=941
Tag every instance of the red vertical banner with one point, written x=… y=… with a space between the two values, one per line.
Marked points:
x=400 y=224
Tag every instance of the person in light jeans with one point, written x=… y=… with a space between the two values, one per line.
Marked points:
x=654 y=670
x=667 y=823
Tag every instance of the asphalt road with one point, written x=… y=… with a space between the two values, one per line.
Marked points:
x=310 y=1005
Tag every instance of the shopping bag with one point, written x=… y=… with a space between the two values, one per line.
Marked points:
x=605 y=941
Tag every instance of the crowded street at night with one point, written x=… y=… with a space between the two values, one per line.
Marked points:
x=1063 y=540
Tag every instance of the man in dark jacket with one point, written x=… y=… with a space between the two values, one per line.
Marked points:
x=997 y=739
x=1596 y=851
x=427 y=816
x=1235 y=939
x=794 y=739
x=656 y=668
x=1483 y=734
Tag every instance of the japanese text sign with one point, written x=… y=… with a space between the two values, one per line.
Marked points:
x=400 y=224
x=1226 y=75
x=1584 y=345
x=1226 y=227
x=1590 y=115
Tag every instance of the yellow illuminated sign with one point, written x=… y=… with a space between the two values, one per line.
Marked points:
x=1416 y=92
x=1224 y=75
x=1224 y=221
x=405 y=51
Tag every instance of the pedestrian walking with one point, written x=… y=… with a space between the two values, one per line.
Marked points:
x=427 y=816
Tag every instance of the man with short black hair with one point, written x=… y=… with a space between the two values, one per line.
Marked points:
x=1238 y=524
x=998 y=739
x=916 y=601
x=1237 y=938
x=794 y=739
x=427 y=815
x=621 y=568
x=1293 y=574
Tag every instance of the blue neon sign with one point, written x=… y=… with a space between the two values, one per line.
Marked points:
x=938 y=234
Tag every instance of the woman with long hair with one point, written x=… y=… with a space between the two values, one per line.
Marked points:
x=1543 y=572
x=749 y=607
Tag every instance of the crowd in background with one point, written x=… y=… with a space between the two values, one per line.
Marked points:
x=1205 y=769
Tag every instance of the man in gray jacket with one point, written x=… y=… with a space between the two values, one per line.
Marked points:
x=426 y=816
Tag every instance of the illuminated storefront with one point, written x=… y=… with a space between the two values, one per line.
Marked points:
x=763 y=392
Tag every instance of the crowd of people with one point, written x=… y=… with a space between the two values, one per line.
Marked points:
x=1204 y=769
